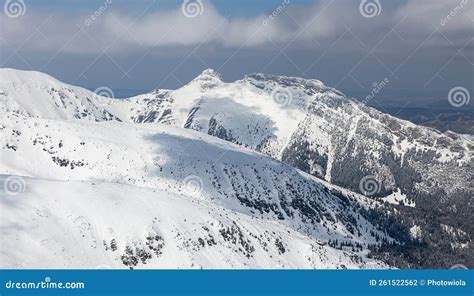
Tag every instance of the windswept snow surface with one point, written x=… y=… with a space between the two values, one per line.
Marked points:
x=165 y=198
x=58 y=224
x=36 y=94
x=253 y=148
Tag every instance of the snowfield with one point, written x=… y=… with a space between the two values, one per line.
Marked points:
x=58 y=224
x=166 y=198
x=263 y=172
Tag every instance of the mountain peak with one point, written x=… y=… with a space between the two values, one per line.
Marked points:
x=208 y=79
x=16 y=75
x=209 y=74
x=284 y=80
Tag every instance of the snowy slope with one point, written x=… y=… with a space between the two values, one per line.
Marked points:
x=110 y=225
x=261 y=116
x=314 y=128
x=299 y=121
x=36 y=94
x=417 y=171
x=189 y=181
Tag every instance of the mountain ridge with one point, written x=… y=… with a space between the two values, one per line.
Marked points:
x=320 y=131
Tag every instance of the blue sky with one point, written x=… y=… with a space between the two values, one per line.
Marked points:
x=226 y=7
x=135 y=46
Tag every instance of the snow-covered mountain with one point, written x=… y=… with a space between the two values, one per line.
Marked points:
x=317 y=129
x=314 y=128
x=39 y=95
x=424 y=176
x=123 y=195
x=261 y=115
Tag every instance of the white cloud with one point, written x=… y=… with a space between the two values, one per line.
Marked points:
x=115 y=31
x=429 y=14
